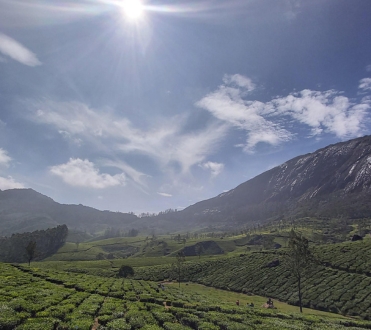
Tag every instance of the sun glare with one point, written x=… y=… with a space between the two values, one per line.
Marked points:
x=133 y=9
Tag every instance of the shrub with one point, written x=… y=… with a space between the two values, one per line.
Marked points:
x=118 y=324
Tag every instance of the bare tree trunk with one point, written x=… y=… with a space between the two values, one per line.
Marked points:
x=299 y=287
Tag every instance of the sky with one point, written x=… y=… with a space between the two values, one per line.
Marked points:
x=142 y=107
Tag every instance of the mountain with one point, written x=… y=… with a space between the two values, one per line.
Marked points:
x=25 y=210
x=331 y=182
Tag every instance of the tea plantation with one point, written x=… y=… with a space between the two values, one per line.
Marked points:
x=33 y=298
x=339 y=283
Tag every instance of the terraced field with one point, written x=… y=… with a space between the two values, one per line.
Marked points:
x=32 y=298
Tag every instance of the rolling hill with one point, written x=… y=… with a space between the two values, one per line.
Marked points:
x=27 y=210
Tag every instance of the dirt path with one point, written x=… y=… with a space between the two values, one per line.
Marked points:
x=96 y=324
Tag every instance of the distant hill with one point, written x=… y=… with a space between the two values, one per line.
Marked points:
x=331 y=182
x=24 y=210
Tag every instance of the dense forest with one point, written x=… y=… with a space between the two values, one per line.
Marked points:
x=35 y=245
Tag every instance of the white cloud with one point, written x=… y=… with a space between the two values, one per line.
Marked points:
x=83 y=173
x=322 y=111
x=365 y=84
x=9 y=183
x=163 y=141
x=165 y=194
x=368 y=68
x=17 y=52
x=4 y=158
x=215 y=168
x=270 y=122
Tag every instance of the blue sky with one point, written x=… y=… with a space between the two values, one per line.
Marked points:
x=184 y=102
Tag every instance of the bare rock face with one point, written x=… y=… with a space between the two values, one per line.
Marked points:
x=332 y=181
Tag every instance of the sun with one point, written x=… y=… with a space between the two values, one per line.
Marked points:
x=133 y=9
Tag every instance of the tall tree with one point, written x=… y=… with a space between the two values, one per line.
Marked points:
x=126 y=271
x=180 y=259
x=298 y=260
x=31 y=251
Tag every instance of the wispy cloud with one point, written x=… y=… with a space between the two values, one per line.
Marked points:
x=17 y=51
x=9 y=183
x=270 y=122
x=83 y=173
x=227 y=104
x=365 y=84
x=165 y=141
x=136 y=176
x=4 y=158
x=214 y=168
x=239 y=81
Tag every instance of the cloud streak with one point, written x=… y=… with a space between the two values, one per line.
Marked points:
x=17 y=51
x=165 y=194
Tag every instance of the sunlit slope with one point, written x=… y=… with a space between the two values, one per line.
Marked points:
x=37 y=299
x=330 y=182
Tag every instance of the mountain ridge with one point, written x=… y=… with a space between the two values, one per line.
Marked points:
x=333 y=172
